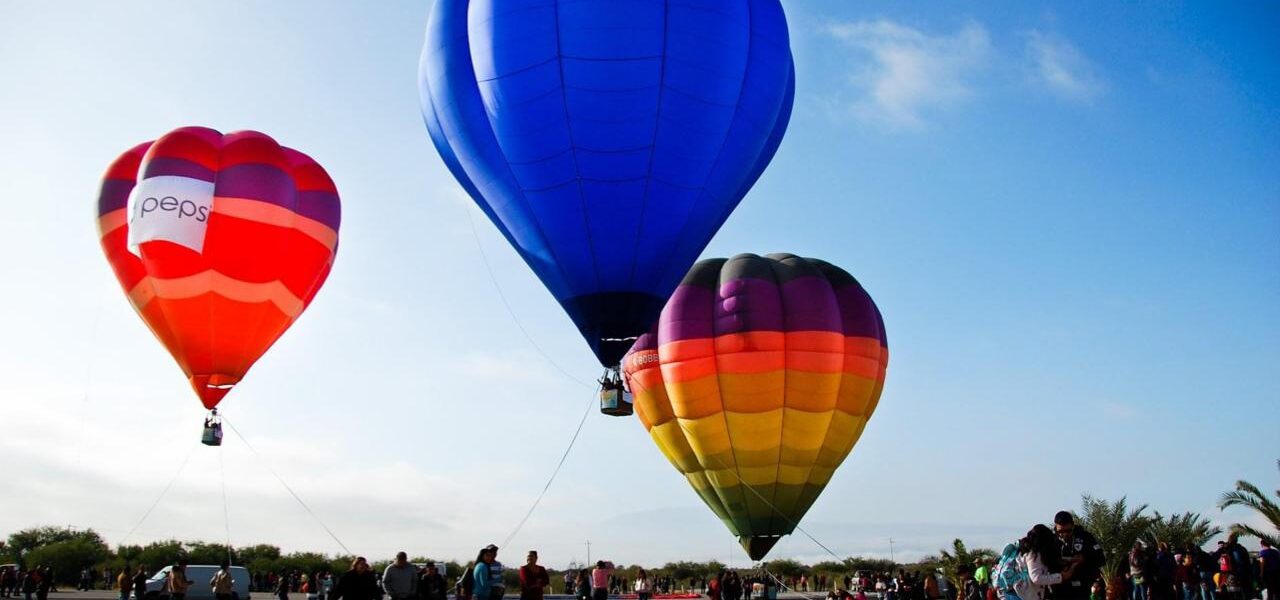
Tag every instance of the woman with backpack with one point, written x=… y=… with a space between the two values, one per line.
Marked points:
x=1022 y=572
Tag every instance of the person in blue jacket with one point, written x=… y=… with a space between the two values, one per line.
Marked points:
x=488 y=575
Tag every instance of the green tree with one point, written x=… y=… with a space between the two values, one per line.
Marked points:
x=310 y=562
x=832 y=569
x=257 y=552
x=875 y=565
x=455 y=569
x=785 y=567
x=682 y=570
x=1116 y=528
x=68 y=557
x=23 y=542
x=259 y=558
x=1250 y=496
x=339 y=564
x=205 y=553
x=1180 y=530
x=958 y=556
x=130 y=554
x=157 y=555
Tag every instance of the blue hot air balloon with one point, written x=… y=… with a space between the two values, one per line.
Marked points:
x=609 y=139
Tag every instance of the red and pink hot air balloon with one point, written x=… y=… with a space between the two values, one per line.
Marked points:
x=220 y=241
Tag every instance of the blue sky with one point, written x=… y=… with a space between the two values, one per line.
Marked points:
x=1069 y=215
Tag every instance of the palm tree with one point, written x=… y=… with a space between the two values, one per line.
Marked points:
x=1180 y=530
x=960 y=555
x=1247 y=494
x=1116 y=528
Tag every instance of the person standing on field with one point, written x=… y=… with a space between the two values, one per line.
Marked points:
x=600 y=580
x=400 y=579
x=533 y=578
x=124 y=583
x=222 y=582
x=178 y=582
x=140 y=583
x=1076 y=545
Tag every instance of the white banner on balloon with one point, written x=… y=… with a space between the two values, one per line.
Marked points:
x=171 y=208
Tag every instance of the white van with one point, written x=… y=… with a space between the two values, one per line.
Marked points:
x=199 y=575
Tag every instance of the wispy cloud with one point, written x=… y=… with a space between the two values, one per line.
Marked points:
x=1118 y=410
x=911 y=73
x=1060 y=67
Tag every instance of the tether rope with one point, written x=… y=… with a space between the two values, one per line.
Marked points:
x=163 y=492
x=286 y=485
x=484 y=258
x=226 y=515
x=786 y=587
x=574 y=439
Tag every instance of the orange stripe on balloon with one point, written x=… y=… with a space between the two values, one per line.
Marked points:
x=686 y=350
x=862 y=366
x=751 y=361
x=271 y=214
x=749 y=341
x=217 y=283
x=762 y=351
x=816 y=341
x=689 y=369
x=863 y=346
x=112 y=221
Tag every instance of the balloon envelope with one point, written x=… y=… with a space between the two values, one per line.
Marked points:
x=608 y=141
x=220 y=242
x=756 y=383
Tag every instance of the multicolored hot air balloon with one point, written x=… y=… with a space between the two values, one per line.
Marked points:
x=220 y=242
x=757 y=382
x=608 y=141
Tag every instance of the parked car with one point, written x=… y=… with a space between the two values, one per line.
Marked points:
x=200 y=575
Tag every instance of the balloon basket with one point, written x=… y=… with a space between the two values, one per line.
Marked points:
x=615 y=399
x=212 y=435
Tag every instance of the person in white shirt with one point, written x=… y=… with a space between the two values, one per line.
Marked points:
x=643 y=587
x=1040 y=543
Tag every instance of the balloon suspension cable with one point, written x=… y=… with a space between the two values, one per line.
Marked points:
x=612 y=378
x=795 y=524
x=563 y=457
x=484 y=258
x=304 y=506
x=785 y=586
x=226 y=515
x=163 y=493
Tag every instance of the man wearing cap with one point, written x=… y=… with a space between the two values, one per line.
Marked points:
x=488 y=575
x=400 y=579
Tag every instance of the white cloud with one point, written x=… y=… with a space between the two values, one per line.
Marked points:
x=1061 y=68
x=1118 y=410
x=912 y=73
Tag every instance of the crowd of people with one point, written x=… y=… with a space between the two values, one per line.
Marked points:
x=1066 y=563
x=31 y=584
x=1062 y=563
